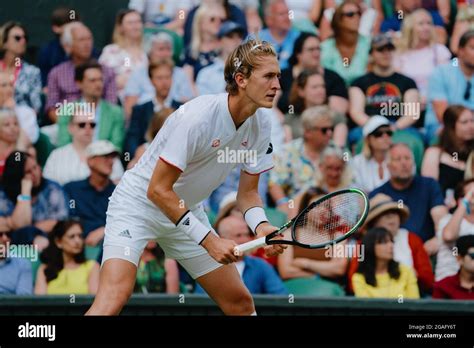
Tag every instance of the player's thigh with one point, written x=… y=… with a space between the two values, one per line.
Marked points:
x=117 y=276
x=226 y=288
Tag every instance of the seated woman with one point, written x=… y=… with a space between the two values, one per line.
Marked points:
x=64 y=268
x=408 y=248
x=12 y=137
x=446 y=162
x=297 y=262
x=379 y=275
x=336 y=172
x=308 y=90
x=156 y=273
x=370 y=166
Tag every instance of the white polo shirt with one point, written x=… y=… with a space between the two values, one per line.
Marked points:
x=201 y=140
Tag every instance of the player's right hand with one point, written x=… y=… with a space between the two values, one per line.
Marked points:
x=221 y=250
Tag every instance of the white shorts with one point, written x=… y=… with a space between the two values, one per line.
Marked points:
x=130 y=225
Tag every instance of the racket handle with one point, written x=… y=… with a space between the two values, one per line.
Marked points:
x=256 y=243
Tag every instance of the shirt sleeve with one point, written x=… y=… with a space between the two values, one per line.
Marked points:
x=411 y=290
x=58 y=207
x=110 y=88
x=261 y=160
x=53 y=89
x=436 y=87
x=182 y=141
x=335 y=85
x=272 y=282
x=436 y=197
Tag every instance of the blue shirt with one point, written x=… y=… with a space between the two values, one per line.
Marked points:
x=16 y=277
x=395 y=22
x=420 y=197
x=210 y=80
x=139 y=84
x=285 y=48
x=88 y=204
x=50 y=203
x=447 y=82
x=259 y=277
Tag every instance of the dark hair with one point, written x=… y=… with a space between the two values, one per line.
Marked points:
x=367 y=267
x=337 y=17
x=80 y=70
x=298 y=46
x=62 y=15
x=464 y=39
x=14 y=173
x=300 y=83
x=464 y=243
x=459 y=190
x=52 y=256
x=158 y=64
x=448 y=141
x=308 y=195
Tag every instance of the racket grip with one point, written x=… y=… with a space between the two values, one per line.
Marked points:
x=254 y=244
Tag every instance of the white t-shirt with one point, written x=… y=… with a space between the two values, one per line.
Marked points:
x=28 y=122
x=64 y=166
x=366 y=173
x=200 y=139
x=446 y=262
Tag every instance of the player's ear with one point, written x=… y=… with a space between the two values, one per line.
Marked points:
x=241 y=80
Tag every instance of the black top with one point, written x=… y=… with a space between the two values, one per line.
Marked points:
x=335 y=85
x=449 y=177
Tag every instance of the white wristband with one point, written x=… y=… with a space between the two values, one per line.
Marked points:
x=255 y=216
x=194 y=228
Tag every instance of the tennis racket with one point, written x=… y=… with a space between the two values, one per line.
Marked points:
x=329 y=220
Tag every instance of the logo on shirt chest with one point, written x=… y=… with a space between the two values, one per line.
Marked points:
x=244 y=143
x=216 y=142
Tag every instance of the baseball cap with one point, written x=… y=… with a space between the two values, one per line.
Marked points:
x=373 y=123
x=230 y=27
x=381 y=40
x=100 y=148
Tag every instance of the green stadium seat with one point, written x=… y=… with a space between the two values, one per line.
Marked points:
x=43 y=148
x=316 y=287
x=34 y=268
x=92 y=253
x=276 y=217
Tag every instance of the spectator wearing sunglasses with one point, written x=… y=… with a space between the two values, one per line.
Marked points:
x=453 y=226
x=461 y=285
x=108 y=117
x=347 y=52
x=69 y=162
x=279 y=31
x=382 y=91
x=26 y=77
x=447 y=161
x=297 y=165
x=370 y=166
x=450 y=84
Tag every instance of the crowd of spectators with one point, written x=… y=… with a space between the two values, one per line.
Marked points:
x=375 y=94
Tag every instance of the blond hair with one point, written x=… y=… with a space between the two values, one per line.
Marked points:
x=408 y=39
x=117 y=36
x=196 y=38
x=314 y=114
x=244 y=59
x=334 y=151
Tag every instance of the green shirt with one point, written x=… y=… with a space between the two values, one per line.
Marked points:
x=331 y=59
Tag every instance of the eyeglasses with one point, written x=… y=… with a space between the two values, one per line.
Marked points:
x=380 y=133
x=351 y=14
x=385 y=48
x=213 y=19
x=19 y=37
x=83 y=124
x=467 y=92
x=324 y=130
x=313 y=49
x=7 y=234
x=471 y=255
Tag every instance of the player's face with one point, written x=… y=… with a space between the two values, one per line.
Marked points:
x=263 y=83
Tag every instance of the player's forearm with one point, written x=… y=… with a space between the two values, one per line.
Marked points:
x=169 y=203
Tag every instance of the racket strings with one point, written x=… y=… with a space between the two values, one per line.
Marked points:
x=329 y=219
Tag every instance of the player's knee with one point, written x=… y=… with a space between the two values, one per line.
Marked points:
x=242 y=304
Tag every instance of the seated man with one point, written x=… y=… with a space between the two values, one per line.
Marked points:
x=461 y=285
x=89 y=198
x=161 y=75
x=108 y=117
x=15 y=273
x=258 y=276
x=422 y=196
x=30 y=205
x=68 y=163
x=78 y=43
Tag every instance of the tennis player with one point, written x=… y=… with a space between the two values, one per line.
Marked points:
x=160 y=198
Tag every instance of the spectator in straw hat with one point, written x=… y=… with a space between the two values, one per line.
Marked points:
x=407 y=246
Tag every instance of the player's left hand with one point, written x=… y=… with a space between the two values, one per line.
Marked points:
x=270 y=250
